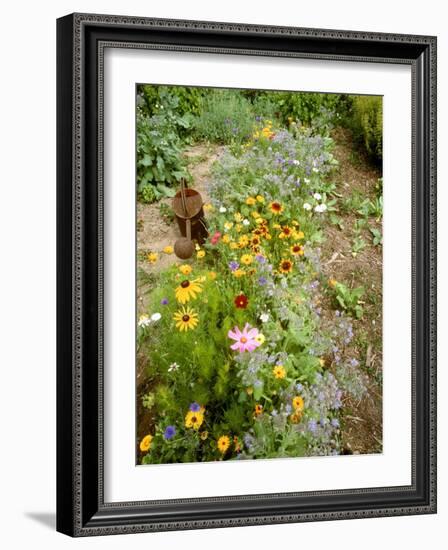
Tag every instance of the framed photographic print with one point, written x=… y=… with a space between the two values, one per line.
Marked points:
x=246 y=274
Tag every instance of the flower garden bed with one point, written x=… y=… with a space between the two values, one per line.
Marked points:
x=247 y=349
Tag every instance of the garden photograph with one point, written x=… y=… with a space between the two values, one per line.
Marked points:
x=259 y=274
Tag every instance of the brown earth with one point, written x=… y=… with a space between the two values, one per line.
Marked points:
x=362 y=430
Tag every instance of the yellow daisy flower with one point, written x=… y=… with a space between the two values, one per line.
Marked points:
x=260 y=338
x=145 y=443
x=279 y=371
x=208 y=207
x=246 y=259
x=185 y=269
x=296 y=417
x=285 y=266
x=194 y=419
x=297 y=250
x=223 y=443
x=168 y=249
x=212 y=275
x=200 y=254
x=153 y=257
x=203 y=435
x=225 y=239
x=298 y=403
x=187 y=290
x=276 y=207
x=260 y=198
x=233 y=245
x=251 y=201
x=238 y=273
x=238 y=217
x=186 y=319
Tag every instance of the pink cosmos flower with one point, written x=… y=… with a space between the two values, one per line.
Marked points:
x=215 y=238
x=245 y=339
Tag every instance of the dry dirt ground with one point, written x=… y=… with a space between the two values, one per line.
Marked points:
x=362 y=432
x=154 y=231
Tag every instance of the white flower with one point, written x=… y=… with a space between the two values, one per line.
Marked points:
x=223 y=209
x=320 y=208
x=173 y=367
x=307 y=206
x=264 y=317
x=317 y=196
x=296 y=162
x=144 y=321
x=156 y=317
x=246 y=222
x=306 y=180
x=316 y=170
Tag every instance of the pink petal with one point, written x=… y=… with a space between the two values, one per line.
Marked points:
x=232 y=335
x=235 y=346
x=252 y=333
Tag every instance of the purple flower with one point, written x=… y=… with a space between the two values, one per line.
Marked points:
x=170 y=432
x=164 y=301
x=260 y=258
x=312 y=426
x=262 y=281
x=299 y=387
x=195 y=407
x=354 y=362
x=234 y=266
x=335 y=422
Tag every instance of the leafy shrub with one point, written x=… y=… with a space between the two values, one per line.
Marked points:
x=225 y=117
x=321 y=111
x=366 y=123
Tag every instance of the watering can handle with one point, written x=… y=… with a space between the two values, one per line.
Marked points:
x=188 y=227
x=182 y=195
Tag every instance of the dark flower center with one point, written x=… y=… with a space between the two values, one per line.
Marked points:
x=193 y=419
x=185 y=318
x=185 y=284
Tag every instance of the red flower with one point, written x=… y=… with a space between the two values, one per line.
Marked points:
x=215 y=238
x=241 y=301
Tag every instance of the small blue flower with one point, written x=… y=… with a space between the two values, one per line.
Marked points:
x=262 y=281
x=312 y=426
x=260 y=258
x=195 y=407
x=335 y=422
x=170 y=432
x=234 y=266
x=164 y=301
x=299 y=387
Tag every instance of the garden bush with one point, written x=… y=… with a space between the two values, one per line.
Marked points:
x=366 y=123
x=225 y=117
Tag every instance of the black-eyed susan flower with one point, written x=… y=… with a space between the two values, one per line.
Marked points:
x=285 y=266
x=246 y=259
x=279 y=371
x=186 y=319
x=145 y=443
x=296 y=417
x=223 y=443
x=286 y=232
x=276 y=207
x=194 y=419
x=188 y=290
x=297 y=250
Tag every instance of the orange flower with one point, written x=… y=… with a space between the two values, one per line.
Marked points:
x=276 y=207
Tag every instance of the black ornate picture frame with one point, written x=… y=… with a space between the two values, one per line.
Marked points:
x=81 y=40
